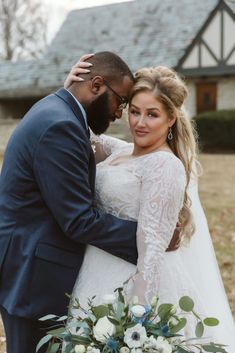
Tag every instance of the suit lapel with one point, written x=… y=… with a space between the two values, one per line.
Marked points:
x=68 y=98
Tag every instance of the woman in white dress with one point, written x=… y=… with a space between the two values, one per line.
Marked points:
x=152 y=181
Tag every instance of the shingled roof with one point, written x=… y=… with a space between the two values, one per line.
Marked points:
x=143 y=33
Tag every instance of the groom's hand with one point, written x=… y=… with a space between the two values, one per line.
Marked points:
x=175 y=240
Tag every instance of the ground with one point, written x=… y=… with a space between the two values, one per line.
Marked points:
x=217 y=193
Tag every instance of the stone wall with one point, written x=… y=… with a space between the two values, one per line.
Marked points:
x=226 y=94
x=15 y=108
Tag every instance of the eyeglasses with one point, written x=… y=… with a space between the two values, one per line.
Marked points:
x=123 y=100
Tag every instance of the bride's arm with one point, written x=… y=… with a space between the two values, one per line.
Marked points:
x=105 y=145
x=162 y=192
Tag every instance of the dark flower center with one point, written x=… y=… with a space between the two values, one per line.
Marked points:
x=135 y=336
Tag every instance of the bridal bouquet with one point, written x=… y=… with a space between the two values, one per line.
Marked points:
x=115 y=327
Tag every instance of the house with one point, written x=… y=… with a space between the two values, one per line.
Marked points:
x=197 y=38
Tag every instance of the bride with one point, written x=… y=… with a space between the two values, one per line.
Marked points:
x=153 y=180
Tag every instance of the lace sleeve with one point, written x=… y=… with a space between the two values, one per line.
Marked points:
x=161 y=199
x=105 y=145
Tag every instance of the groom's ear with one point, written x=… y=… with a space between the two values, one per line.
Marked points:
x=97 y=85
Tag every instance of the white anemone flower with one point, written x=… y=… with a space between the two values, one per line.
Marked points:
x=151 y=343
x=95 y=350
x=80 y=348
x=136 y=350
x=135 y=336
x=138 y=310
x=124 y=350
x=103 y=329
x=162 y=345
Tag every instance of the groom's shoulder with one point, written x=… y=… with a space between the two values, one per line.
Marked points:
x=49 y=107
x=47 y=112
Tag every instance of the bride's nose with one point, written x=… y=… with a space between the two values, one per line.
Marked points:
x=141 y=121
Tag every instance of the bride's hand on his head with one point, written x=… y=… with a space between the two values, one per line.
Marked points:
x=81 y=67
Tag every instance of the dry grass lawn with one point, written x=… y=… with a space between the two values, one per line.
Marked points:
x=217 y=194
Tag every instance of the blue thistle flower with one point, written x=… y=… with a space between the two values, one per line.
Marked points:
x=112 y=345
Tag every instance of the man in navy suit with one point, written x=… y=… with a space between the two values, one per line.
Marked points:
x=47 y=215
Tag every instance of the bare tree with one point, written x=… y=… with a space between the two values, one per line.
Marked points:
x=23 y=28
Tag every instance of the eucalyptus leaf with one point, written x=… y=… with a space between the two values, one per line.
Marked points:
x=199 y=329
x=91 y=317
x=120 y=295
x=54 y=347
x=120 y=310
x=43 y=341
x=130 y=324
x=57 y=331
x=62 y=318
x=114 y=321
x=119 y=330
x=48 y=317
x=164 y=310
x=80 y=339
x=182 y=350
x=68 y=348
x=211 y=321
x=186 y=303
x=213 y=348
x=75 y=325
x=100 y=311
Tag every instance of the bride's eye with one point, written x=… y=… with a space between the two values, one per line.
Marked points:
x=134 y=112
x=152 y=115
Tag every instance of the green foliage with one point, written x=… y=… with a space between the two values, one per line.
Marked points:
x=199 y=329
x=108 y=327
x=216 y=130
x=181 y=324
x=100 y=311
x=186 y=304
x=211 y=321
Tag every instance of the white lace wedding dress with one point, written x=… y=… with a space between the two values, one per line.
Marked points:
x=150 y=189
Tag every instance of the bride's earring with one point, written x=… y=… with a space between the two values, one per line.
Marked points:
x=170 y=135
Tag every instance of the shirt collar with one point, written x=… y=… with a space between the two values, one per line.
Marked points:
x=81 y=107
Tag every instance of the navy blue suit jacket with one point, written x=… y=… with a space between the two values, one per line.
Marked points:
x=47 y=215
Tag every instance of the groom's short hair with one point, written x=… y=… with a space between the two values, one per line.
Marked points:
x=110 y=66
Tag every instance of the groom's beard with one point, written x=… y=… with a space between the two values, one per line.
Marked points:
x=99 y=115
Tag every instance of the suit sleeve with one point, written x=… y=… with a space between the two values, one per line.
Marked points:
x=61 y=168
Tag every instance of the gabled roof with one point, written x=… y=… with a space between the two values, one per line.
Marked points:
x=142 y=32
x=212 y=52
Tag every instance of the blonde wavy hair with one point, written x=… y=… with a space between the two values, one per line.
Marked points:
x=171 y=91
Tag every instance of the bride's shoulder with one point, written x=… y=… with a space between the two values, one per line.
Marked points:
x=161 y=161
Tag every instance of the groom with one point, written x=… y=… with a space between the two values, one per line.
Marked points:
x=47 y=214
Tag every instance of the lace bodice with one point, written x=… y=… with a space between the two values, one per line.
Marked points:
x=149 y=189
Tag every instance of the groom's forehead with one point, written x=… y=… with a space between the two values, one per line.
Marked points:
x=124 y=87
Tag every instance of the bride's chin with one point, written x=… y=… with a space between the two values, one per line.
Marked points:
x=141 y=143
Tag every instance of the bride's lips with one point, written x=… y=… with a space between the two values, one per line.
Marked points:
x=141 y=133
